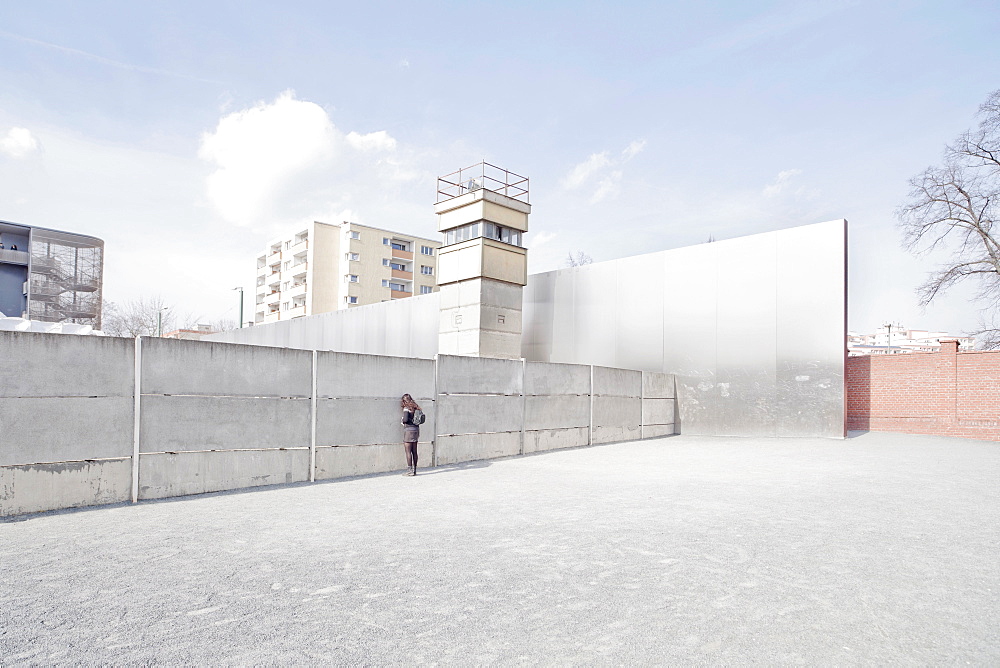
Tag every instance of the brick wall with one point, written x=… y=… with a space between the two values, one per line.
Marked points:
x=947 y=393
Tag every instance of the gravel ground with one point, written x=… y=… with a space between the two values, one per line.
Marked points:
x=880 y=549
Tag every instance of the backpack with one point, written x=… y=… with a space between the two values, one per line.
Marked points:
x=418 y=417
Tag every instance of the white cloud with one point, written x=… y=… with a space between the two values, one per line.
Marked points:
x=19 y=143
x=373 y=141
x=609 y=187
x=603 y=170
x=285 y=160
x=633 y=149
x=780 y=183
x=583 y=171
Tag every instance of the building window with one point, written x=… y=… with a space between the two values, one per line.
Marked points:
x=426 y=250
x=426 y=289
x=351 y=278
x=398 y=267
x=398 y=245
x=354 y=257
x=284 y=306
x=487 y=229
x=351 y=300
x=398 y=287
x=385 y=240
x=354 y=235
x=284 y=286
x=287 y=245
x=427 y=271
x=288 y=264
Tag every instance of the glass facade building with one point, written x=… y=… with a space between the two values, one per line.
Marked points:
x=49 y=275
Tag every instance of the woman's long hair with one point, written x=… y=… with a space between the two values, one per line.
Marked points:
x=408 y=402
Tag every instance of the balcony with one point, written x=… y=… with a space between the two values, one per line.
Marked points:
x=295 y=290
x=405 y=275
x=273 y=316
x=296 y=311
x=401 y=254
x=399 y=294
x=301 y=246
x=299 y=268
x=14 y=256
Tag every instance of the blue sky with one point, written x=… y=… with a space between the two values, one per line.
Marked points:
x=189 y=134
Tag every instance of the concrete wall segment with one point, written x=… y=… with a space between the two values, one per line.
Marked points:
x=34 y=488
x=478 y=375
x=178 y=424
x=610 y=382
x=59 y=365
x=344 y=462
x=64 y=429
x=172 y=366
x=355 y=375
x=471 y=447
x=366 y=421
x=164 y=475
x=542 y=378
x=556 y=412
x=657 y=411
x=470 y=414
x=657 y=385
x=617 y=411
x=554 y=439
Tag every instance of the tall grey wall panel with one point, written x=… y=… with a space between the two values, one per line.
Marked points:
x=400 y=328
x=617 y=405
x=57 y=365
x=185 y=423
x=752 y=327
x=172 y=366
x=812 y=319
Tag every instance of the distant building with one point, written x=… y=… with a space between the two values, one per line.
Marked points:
x=191 y=334
x=50 y=276
x=325 y=268
x=894 y=339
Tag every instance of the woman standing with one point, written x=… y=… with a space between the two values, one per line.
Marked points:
x=411 y=433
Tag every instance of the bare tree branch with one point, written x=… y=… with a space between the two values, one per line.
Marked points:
x=953 y=209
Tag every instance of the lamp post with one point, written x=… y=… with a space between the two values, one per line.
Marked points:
x=241 y=306
x=159 y=320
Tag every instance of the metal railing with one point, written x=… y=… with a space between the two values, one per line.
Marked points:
x=482 y=176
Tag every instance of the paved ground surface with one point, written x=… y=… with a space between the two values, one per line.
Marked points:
x=881 y=549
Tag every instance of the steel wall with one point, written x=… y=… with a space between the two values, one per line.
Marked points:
x=753 y=328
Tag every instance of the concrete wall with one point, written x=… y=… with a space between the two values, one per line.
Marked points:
x=65 y=421
x=218 y=416
x=946 y=393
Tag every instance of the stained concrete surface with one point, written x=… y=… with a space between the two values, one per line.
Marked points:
x=880 y=549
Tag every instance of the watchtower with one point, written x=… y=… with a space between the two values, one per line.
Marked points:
x=483 y=266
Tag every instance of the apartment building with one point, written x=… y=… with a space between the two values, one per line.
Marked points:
x=49 y=275
x=895 y=339
x=326 y=267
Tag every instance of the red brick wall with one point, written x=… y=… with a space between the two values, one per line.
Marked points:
x=947 y=393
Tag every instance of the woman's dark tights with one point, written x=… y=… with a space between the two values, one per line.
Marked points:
x=411 y=455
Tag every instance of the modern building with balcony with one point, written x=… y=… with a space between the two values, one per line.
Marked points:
x=49 y=275
x=325 y=267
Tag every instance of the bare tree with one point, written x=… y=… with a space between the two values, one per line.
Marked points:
x=953 y=208
x=137 y=317
x=578 y=259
